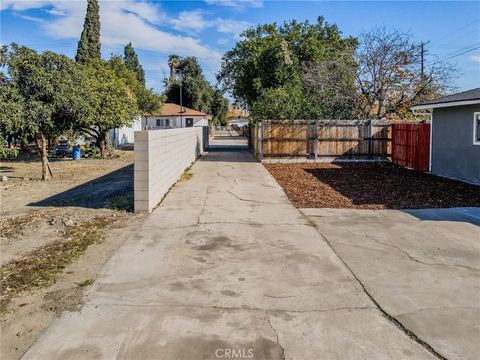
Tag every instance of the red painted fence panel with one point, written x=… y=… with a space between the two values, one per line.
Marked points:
x=411 y=145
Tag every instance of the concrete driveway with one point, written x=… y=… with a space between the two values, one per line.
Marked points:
x=421 y=266
x=227 y=268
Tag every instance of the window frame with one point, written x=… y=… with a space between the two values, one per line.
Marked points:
x=158 y=123
x=476 y=126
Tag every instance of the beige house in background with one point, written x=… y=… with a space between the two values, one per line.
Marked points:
x=174 y=116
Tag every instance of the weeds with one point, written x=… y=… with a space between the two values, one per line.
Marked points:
x=41 y=267
x=86 y=283
x=187 y=174
x=121 y=202
x=12 y=226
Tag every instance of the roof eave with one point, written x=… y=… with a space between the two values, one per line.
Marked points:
x=445 y=104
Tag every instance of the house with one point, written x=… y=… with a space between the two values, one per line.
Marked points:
x=124 y=135
x=238 y=121
x=455 y=135
x=174 y=116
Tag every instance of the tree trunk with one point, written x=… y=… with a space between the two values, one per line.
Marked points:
x=102 y=142
x=46 y=171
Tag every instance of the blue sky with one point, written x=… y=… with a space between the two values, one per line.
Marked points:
x=207 y=29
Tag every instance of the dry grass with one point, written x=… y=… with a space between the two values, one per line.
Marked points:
x=41 y=267
x=11 y=227
x=187 y=174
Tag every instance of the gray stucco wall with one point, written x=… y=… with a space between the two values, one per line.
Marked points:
x=453 y=153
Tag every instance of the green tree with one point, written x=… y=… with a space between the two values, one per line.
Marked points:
x=268 y=61
x=280 y=103
x=196 y=91
x=147 y=100
x=131 y=61
x=113 y=103
x=12 y=125
x=219 y=108
x=45 y=96
x=89 y=44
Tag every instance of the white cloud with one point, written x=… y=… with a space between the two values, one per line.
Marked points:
x=194 y=21
x=236 y=3
x=20 y=5
x=475 y=58
x=190 y=21
x=223 y=41
x=234 y=27
x=31 y=18
x=122 y=21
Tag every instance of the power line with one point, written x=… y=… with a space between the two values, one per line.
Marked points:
x=457 y=52
x=464 y=48
x=462 y=36
x=454 y=56
x=456 y=31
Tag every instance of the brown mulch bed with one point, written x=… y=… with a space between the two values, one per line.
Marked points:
x=370 y=186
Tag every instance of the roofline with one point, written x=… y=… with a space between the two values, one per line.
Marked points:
x=445 y=104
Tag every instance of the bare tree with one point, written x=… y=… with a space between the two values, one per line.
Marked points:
x=390 y=77
x=331 y=85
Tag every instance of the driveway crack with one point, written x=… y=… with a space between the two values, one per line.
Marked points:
x=389 y=317
x=278 y=297
x=414 y=259
x=275 y=332
x=242 y=199
x=204 y=205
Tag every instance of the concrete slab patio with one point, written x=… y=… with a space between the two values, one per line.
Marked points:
x=421 y=266
x=226 y=266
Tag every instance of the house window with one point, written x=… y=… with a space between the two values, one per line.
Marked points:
x=476 y=128
x=163 y=122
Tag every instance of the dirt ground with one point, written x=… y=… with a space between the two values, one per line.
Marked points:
x=370 y=186
x=82 y=216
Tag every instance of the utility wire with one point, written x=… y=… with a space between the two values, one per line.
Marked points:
x=463 y=48
x=457 y=52
x=456 y=31
x=462 y=36
x=454 y=56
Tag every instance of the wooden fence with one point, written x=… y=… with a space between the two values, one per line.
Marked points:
x=317 y=140
x=411 y=145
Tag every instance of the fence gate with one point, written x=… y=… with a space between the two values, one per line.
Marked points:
x=411 y=145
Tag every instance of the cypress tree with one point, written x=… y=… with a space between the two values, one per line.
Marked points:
x=131 y=61
x=89 y=44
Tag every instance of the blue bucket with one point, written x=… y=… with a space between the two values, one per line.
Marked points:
x=76 y=153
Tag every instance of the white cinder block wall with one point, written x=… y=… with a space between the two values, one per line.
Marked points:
x=161 y=157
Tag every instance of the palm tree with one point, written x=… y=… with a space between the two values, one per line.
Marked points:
x=173 y=62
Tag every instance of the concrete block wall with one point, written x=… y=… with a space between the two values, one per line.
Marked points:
x=161 y=157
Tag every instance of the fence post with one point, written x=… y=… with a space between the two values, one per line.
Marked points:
x=261 y=140
x=315 y=143
x=370 y=144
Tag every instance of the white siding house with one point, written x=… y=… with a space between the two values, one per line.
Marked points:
x=124 y=134
x=173 y=116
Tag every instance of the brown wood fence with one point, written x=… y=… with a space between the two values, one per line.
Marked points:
x=411 y=145
x=321 y=139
